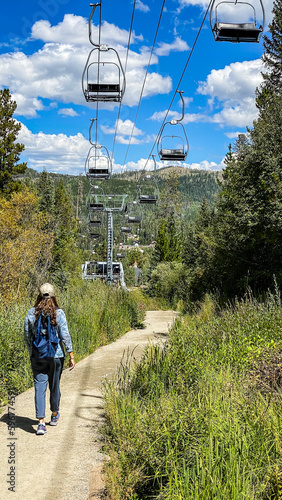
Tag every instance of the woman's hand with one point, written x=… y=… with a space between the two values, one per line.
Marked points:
x=71 y=363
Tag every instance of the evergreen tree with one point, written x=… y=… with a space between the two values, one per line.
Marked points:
x=272 y=56
x=46 y=193
x=248 y=224
x=169 y=214
x=9 y=149
x=64 y=251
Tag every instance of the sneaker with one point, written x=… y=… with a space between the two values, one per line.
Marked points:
x=41 y=429
x=54 y=419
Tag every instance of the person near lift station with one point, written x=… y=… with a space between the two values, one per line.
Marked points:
x=47 y=337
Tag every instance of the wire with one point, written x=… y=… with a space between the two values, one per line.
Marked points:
x=144 y=81
x=126 y=59
x=97 y=104
x=180 y=80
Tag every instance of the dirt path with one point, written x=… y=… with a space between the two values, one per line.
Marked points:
x=65 y=463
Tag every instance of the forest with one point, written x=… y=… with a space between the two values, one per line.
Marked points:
x=198 y=418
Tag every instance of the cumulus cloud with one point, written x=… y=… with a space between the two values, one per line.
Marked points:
x=54 y=72
x=67 y=112
x=232 y=135
x=233 y=89
x=238 y=114
x=74 y=30
x=141 y=6
x=236 y=81
x=57 y=153
x=27 y=106
x=205 y=165
x=174 y=115
x=178 y=45
x=149 y=165
x=123 y=128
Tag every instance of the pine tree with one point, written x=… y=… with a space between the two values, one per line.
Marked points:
x=64 y=250
x=168 y=213
x=46 y=193
x=9 y=149
x=272 y=56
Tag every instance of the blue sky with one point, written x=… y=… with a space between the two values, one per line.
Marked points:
x=43 y=50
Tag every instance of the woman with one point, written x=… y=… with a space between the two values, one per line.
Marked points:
x=47 y=369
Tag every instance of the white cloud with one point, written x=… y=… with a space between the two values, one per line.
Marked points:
x=27 y=106
x=141 y=6
x=232 y=135
x=148 y=165
x=233 y=89
x=74 y=30
x=188 y=117
x=54 y=72
x=237 y=114
x=57 y=153
x=67 y=112
x=124 y=128
x=205 y=165
x=178 y=45
x=236 y=81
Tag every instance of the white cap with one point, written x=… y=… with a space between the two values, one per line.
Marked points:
x=47 y=290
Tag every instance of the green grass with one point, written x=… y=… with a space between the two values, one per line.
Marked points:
x=201 y=418
x=96 y=313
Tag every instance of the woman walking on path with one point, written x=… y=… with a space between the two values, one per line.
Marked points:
x=42 y=321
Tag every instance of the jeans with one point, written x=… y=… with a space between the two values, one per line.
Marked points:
x=46 y=370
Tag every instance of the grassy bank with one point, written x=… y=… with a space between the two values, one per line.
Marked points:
x=96 y=314
x=201 y=418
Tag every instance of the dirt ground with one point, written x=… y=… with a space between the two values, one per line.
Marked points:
x=66 y=462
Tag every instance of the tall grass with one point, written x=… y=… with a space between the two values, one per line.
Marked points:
x=201 y=418
x=96 y=313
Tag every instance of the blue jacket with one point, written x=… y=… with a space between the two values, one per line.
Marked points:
x=62 y=329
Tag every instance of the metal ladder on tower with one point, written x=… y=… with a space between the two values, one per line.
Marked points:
x=109 y=246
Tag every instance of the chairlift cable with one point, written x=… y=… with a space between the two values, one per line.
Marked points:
x=179 y=83
x=126 y=59
x=144 y=81
x=99 y=42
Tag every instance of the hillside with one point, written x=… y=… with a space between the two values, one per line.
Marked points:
x=194 y=184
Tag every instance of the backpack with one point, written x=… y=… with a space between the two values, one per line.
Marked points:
x=46 y=339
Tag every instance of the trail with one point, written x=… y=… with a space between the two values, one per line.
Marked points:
x=66 y=462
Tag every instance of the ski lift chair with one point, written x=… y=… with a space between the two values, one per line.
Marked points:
x=94 y=234
x=133 y=219
x=150 y=199
x=98 y=163
x=146 y=197
x=95 y=223
x=233 y=31
x=126 y=229
x=121 y=255
x=97 y=84
x=94 y=202
x=175 y=153
x=95 y=207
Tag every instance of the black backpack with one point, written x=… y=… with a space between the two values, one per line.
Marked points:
x=46 y=338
